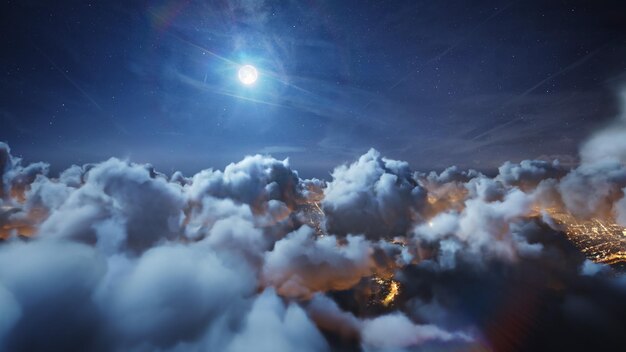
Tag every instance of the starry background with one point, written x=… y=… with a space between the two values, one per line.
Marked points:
x=436 y=83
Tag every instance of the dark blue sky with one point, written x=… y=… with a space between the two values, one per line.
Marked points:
x=436 y=83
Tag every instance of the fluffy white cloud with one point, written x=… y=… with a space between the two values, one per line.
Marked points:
x=115 y=256
x=271 y=326
x=301 y=264
x=374 y=196
x=396 y=331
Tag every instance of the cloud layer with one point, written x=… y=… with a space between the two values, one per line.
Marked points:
x=115 y=256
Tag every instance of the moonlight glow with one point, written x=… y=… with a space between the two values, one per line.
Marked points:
x=248 y=74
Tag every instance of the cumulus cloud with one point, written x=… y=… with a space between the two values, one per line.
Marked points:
x=47 y=288
x=620 y=209
x=374 y=196
x=169 y=294
x=528 y=173
x=6 y=163
x=115 y=256
x=609 y=143
x=270 y=326
x=483 y=229
x=120 y=204
x=15 y=176
x=254 y=181
x=300 y=264
x=592 y=190
x=394 y=331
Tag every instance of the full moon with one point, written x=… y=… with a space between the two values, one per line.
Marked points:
x=248 y=74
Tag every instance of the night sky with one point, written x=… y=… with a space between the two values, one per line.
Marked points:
x=456 y=175
x=435 y=83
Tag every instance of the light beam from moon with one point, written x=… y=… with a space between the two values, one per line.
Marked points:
x=248 y=74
